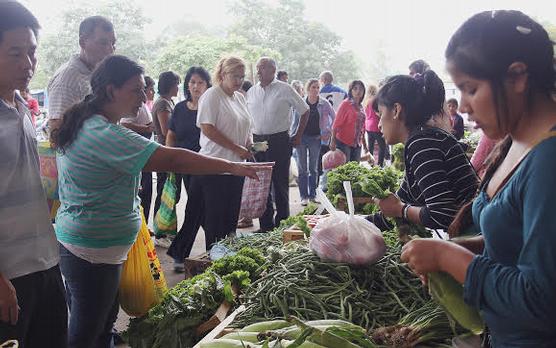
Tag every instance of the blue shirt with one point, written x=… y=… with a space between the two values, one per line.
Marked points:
x=184 y=124
x=514 y=282
x=98 y=179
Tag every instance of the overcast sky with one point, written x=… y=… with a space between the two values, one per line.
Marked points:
x=406 y=29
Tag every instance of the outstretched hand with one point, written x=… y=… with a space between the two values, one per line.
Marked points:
x=249 y=169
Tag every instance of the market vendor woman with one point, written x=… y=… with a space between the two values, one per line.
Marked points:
x=439 y=178
x=99 y=171
x=503 y=63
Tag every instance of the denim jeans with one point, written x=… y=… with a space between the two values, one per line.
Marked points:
x=307 y=166
x=92 y=296
x=352 y=153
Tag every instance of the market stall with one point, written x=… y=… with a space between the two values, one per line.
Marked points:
x=284 y=292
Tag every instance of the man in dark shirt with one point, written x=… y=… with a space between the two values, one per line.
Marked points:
x=456 y=119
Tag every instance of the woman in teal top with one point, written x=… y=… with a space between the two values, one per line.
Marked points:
x=502 y=61
x=99 y=171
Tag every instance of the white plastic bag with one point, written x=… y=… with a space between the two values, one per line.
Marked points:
x=346 y=238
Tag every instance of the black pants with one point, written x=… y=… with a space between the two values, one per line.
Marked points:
x=186 y=179
x=146 y=193
x=43 y=315
x=213 y=202
x=377 y=136
x=280 y=152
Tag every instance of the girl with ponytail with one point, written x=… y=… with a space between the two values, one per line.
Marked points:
x=503 y=63
x=438 y=177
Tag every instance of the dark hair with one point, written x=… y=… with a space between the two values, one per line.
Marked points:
x=464 y=217
x=281 y=73
x=419 y=66
x=14 y=15
x=453 y=101
x=88 y=25
x=113 y=70
x=421 y=97
x=149 y=82
x=489 y=42
x=354 y=83
x=246 y=85
x=166 y=81
x=194 y=70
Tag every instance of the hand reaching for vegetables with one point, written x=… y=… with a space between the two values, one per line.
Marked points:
x=422 y=255
x=391 y=206
x=9 y=310
x=431 y=255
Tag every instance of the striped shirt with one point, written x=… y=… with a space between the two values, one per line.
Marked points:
x=70 y=84
x=98 y=178
x=438 y=178
x=27 y=240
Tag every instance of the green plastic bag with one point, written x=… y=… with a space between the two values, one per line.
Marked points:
x=166 y=221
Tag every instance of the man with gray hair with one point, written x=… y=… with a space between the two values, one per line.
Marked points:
x=71 y=83
x=330 y=92
x=270 y=102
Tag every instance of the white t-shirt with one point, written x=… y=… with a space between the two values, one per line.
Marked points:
x=271 y=106
x=229 y=115
x=143 y=118
x=27 y=240
x=70 y=85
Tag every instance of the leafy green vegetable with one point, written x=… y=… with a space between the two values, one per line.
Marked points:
x=173 y=323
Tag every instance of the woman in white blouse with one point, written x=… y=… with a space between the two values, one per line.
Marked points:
x=214 y=200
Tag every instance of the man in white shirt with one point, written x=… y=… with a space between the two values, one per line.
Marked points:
x=270 y=102
x=71 y=83
x=32 y=299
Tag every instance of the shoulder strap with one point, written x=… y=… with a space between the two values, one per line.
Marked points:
x=541 y=139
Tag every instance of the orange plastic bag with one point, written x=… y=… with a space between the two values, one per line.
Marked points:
x=142 y=285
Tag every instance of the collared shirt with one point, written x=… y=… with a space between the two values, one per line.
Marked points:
x=27 y=239
x=70 y=85
x=270 y=107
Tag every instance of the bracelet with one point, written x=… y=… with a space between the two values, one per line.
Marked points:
x=405 y=209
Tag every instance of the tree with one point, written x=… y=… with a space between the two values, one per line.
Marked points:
x=307 y=48
x=205 y=51
x=57 y=47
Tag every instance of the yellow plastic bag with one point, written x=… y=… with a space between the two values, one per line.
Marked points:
x=142 y=285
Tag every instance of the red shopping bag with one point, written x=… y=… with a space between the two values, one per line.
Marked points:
x=255 y=194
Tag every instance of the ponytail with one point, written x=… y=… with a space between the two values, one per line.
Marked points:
x=72 y=122
x=464 y=217
x=421 y=97
x=434 y=94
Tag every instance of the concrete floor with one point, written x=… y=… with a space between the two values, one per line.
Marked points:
x=172 y=278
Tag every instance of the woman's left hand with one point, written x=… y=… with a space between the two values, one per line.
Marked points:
x=390 y=206
x=423 y=255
